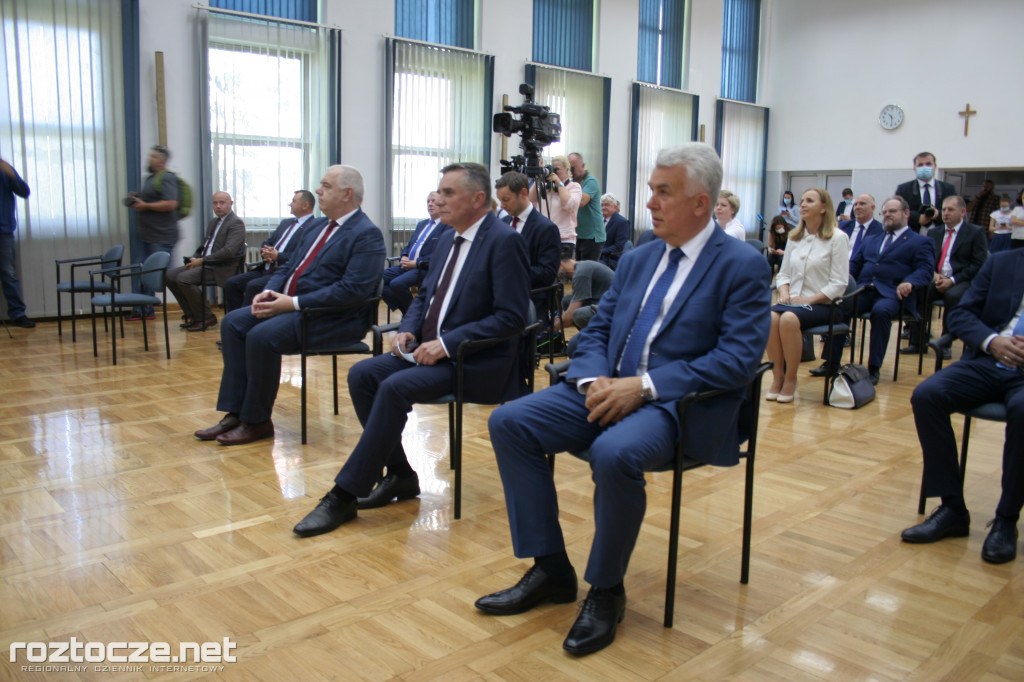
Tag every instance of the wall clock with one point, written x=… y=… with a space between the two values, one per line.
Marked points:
x=891 y=117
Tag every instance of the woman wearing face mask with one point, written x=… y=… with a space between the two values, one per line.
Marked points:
x=815 y=269
x=726 y=208
x=789 y=210
x=778 y=235
x=999 y=227
x=562 y=201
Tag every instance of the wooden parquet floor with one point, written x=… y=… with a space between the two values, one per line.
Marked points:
x=117 y=525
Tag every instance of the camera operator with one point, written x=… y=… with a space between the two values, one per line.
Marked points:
x=925 y=193
x=562 y=201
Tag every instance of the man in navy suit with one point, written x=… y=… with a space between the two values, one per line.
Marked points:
x=893 y=263
x=543 y=242
x=686 y=312
x=478 y=288
x=241 y=289
x=340 y=264
x=399 y=279
x=961 y=248
x=988 y=319
x=616 y=230
x=862 y=225
x=924 y=193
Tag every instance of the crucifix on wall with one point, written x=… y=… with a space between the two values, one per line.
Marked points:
x=967 y=113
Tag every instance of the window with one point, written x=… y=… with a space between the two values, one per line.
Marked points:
x=741 y=31
x=563 y=33
x=447 y=22
x=300 y=10
x=742 y=142
x=267 y=105
x=661 y=118
x=440 y=113
x=660 y=53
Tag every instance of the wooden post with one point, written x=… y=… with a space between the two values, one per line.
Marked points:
x=161 y=101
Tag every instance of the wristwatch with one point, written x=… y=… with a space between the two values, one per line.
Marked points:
x=646 y=387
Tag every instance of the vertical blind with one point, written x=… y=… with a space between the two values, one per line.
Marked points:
x=63 y=130
x=563 y=33
x=741 y=32
x=660 y=42
x=439 y=113
x=742 y=142
x=447 y=22
x=661 y=118
x=267 y=109
x=582 y=101
x=300 y=10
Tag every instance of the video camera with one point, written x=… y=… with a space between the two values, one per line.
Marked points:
x=537 y=128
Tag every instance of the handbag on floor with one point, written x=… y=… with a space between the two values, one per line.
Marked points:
x=851 y=388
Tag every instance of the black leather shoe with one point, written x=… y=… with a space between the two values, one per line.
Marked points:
x=873 y=375
x=23 y=322
x=391 y=487
x=943 y=523
x=910 y=349
x=594 y=628
x=1001 y=544
x=535 y=587
x=826 y=369
x=328 y=515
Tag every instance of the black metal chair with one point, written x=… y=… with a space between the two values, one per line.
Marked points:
x=152 y=273
x=683 y=462
x=355 y=348
x=995 y=412
x=903 y=317
x=841 y=307
x=110 y=259
x=552 y=306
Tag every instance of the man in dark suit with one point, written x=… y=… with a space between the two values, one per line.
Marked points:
x=862 y=225
x=616 y=231
x=844 y=208
x=225 y=241
x=925 y=193
x=961 y=248
x=478 y=288
x=686 y=312
x=275 y=251
x=399 y=279
x=988 y=320
x=893 y=263
x=543 y=242
x=340 y=264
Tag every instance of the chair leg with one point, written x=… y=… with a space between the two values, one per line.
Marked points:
x=921 y=500
x=863 y=335
x=334 y=368
x=748 y=519
x=828 y=358
x=457 y=458
x=896 y=362
x=113 y=334
x=74 y=335
x=963 y=447
x=673 y=547
x=145 y=333
x=167 y=336
x=302 y=393
x=95 y=353
x=451 y=435
x=60 y=331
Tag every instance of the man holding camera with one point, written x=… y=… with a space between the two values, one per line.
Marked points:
x=157 y=206
x=925 y=193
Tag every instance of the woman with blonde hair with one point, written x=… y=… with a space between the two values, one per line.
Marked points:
x=563 y=196
x=726 y=208
x=815 y=269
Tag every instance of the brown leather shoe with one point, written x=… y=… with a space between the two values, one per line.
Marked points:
x=229 y=422
x=246 y=433
x=200 y=326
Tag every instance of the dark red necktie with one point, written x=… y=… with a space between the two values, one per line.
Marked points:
x=430 y=322
x=293 y=281
x=515 y=223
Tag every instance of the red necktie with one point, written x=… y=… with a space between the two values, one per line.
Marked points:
x=432 y=318
x=293 y=281
x=945 y=249
x=515 y=223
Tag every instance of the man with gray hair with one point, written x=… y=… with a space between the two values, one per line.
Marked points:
x=686 y=312
x=616 y=231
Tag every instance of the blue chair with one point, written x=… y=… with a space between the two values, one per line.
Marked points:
x=684 y=462
x=152 y=274
x=110 y=259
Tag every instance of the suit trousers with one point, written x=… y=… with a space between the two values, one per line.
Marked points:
x=383 y=390
x=883 y=310
x=962 y=386
x=252 y=348
x=525 y=431
x=184 y=284
x=397 y=287
x=241 y=289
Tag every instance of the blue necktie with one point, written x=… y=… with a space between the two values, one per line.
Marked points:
x=423 y=235
x=886 y=242
x=645 y=320
x=1018 y=330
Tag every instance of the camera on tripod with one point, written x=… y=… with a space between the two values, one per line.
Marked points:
x=537 y=127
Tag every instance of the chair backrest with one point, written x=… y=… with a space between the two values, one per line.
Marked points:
x=112 y=258
x=627 y=246
x=757 y=244
x=158 y=262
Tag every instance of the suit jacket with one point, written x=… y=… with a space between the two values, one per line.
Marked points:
x=841 y=208
x=874 y=227
x=229 y=244
x=713 y=336
x=970 y=250
x=911 y=191
x=910 y=258
x=347 y=270
x=543 y=246
x=423 y=257
x=491 y=298
x=616 y=235
x=293 y=243
x=990 y=302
